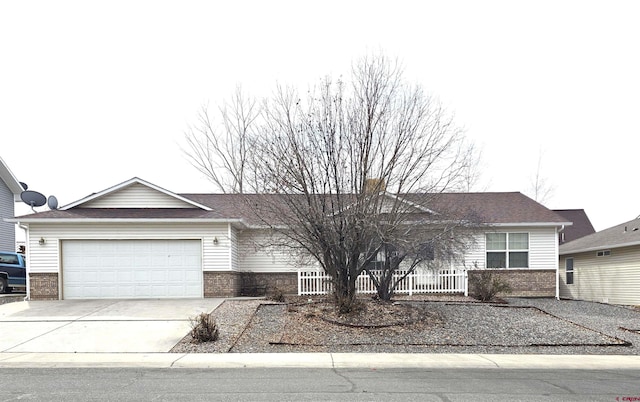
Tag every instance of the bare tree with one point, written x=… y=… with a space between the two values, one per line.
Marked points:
x=221 y=151
x=541 y=190
x=340 y=164
x=472 y=171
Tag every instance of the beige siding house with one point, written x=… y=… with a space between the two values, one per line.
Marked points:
x=138 y=240
x=603 y=267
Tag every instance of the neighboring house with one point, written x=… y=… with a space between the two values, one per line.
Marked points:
x=10 y=189
x=581 y=224
x=138 y=240
x=604 y=266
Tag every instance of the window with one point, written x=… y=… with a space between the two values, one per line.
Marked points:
x=507 y=250
x=427 y=252
x=603 y=253
x=568 y=265
x=9 y=259
x=377 y=263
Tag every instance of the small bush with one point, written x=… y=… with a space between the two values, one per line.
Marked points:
x=488 y=286
x=204 y=328
x=276 y=295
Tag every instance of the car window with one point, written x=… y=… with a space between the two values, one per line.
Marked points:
x=9 y=259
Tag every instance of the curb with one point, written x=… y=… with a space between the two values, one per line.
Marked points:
x=320 y=360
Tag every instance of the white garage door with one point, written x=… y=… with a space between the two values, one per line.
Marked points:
x=131 y=269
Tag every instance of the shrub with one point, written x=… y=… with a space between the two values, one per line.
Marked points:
x=276 y=295
x=488 y=286
x=204 y=328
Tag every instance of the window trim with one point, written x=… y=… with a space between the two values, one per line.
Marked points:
x=603 y=253
x=507 y=251
x=569 y=273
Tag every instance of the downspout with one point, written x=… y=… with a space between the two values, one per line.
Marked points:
x=558 y=263
x=27 y=250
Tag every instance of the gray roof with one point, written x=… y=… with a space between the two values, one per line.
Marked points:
x=126 y=213
x=625 y=234
x=491 y=208
x=581 y=224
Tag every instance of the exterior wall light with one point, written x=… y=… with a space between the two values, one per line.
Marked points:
x=41 y=241
x=215 y=240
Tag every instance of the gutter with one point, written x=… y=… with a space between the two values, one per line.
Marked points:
x=534 y=224
x=599 y=247
x=124 y=220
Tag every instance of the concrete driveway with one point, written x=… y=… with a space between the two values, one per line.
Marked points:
x=85 y=326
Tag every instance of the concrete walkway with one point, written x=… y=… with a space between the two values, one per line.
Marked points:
x=98 y=326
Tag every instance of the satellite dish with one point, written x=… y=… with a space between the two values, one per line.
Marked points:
x=33 y=198
x=24 y=186
x=52 y=202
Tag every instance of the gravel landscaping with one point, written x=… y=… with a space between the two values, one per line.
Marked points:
x=425 y=325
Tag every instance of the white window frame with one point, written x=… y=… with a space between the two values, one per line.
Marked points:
x=508 y=250
x=569 y=269
x=603 y=253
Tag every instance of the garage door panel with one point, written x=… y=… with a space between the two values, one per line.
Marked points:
x=131 y=268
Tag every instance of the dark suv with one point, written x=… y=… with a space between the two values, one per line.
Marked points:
x=13 y=273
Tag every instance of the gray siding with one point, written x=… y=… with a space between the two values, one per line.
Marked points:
x=7 y=229
x=609 y=279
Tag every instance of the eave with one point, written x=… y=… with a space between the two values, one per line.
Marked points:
x=599 y=247
x=532 y=224
x=235 y=222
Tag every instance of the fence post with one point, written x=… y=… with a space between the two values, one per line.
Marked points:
x=466 y=283
x=411 y=283
x=299 y=282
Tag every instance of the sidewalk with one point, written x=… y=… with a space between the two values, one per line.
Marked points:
x=319 y=360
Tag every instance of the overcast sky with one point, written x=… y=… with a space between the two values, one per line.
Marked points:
x=95 y=93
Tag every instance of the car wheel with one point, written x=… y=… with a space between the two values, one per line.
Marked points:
x=3 y=285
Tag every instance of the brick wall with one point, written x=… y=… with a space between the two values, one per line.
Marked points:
x=524 y=282
x=222 y=284
x=43 y=286
x=286 y=282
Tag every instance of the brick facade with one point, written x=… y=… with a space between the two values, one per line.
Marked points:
x=266 y=283
x=233 y=284
x=524 y=282
x=222 y=284
x=43 y=286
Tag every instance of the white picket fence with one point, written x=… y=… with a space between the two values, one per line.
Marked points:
x=317 y=282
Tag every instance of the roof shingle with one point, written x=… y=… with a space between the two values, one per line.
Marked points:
x=492 y=208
